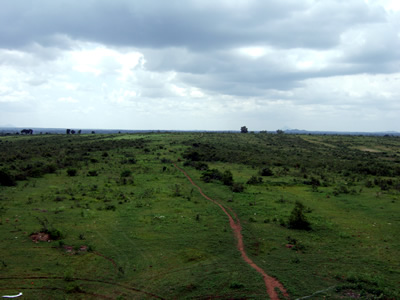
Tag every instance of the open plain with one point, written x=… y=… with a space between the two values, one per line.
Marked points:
x=200 y=216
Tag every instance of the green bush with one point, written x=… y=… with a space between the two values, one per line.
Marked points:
x=266 y=172
x=237 y=187
x=126 y=173
x=297 y=219
x=236 y=285
x=50 y=168
x=93 y=173
x=72 y=172
x=110 y=207
x=210 y=175
x=227 y=178
x=6 y=178
x=192 y=155
x=55 y=234
x=197 y=165
x=254 y=180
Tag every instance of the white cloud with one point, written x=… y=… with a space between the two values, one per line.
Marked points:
x=68 y=100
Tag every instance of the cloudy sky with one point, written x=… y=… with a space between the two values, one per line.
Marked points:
x=201 y=64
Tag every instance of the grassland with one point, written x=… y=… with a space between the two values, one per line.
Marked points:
x=124 y=223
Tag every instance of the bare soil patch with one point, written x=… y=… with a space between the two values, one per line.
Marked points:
x=40 y=237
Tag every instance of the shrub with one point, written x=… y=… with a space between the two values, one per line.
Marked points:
x=341 y=189
x=237 y=187
x=254 y=180
x=313 y=181
x=59 y=198
x=110 y=207
x=73 y=288
x=50 y=168
x=68 y=276
x=72 y=172
x=197 y=165
x=126 y=173
x=93 y=173
x=296 y=245
x=297 y=219
x=131 y=161
x=209 y=175
x=55 y=234
x=236 y=285
x=227 y=178
x=177 y=191
x=35 y=172
x=192 y=155
x=6 y=178
x=266 y=172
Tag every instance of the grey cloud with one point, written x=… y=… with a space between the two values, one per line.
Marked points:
x=36 y=81
x=378 y=44
x=192 y=24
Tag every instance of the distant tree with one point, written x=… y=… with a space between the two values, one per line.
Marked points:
x=27 y=131
x=243 y=129
x=93 y=132
x=79 y=131
x=280 y=131
x=72 y=131
x=68 y=131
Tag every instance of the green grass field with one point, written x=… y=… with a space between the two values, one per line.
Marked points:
x=124 y=223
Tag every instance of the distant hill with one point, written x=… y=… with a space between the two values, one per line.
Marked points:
x=302 y=131
x=36 y=130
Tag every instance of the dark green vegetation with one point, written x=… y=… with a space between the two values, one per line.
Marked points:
x=319 y=213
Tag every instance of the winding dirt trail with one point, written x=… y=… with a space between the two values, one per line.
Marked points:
x=271 y=283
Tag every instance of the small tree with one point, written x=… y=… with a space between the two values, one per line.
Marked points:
x=227 y=178
x=244 y=129
x=297 y=219
x=68 y=131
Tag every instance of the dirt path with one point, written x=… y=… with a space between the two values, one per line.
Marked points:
x=270 y=282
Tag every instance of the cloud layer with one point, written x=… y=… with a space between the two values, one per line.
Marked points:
x=321 y=65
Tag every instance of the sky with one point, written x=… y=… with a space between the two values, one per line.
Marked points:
x=331 y=65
